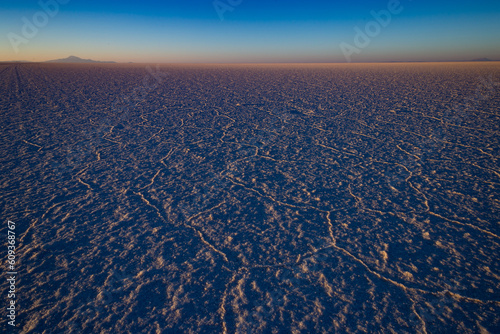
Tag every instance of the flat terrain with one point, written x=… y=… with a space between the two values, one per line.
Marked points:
x=252 y=198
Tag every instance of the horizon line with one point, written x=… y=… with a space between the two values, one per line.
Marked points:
x=243 y=63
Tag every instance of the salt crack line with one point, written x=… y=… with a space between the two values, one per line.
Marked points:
x=418 y=290
x=222 y=308
x=422 y=321
x=465 y=224
x=209 y=245
x=39 y=147
x=167 y=156
x=224 y=256
x=158 y=213
x=336 y=150
x=148 y=203
x=152 y=180
x=157 y=133
x=205 y=211
x=275 y=200
x=85 y=184
x=413 y=155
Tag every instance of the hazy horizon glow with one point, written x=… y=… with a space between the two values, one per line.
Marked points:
x=253 y=31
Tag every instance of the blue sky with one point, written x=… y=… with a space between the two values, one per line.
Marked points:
x=251 y=31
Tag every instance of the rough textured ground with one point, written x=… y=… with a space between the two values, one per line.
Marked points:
x=253 y=198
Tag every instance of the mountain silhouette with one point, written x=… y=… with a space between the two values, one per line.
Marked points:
x=74 y=59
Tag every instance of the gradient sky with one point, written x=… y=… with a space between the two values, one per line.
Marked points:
x=254 y=31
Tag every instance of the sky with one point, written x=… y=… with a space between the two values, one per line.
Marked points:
x=250 y=30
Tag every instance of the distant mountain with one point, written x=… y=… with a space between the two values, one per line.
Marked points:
x=73 y=59
x=482 y=59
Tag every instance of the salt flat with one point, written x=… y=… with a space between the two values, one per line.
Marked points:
x=253 y=198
